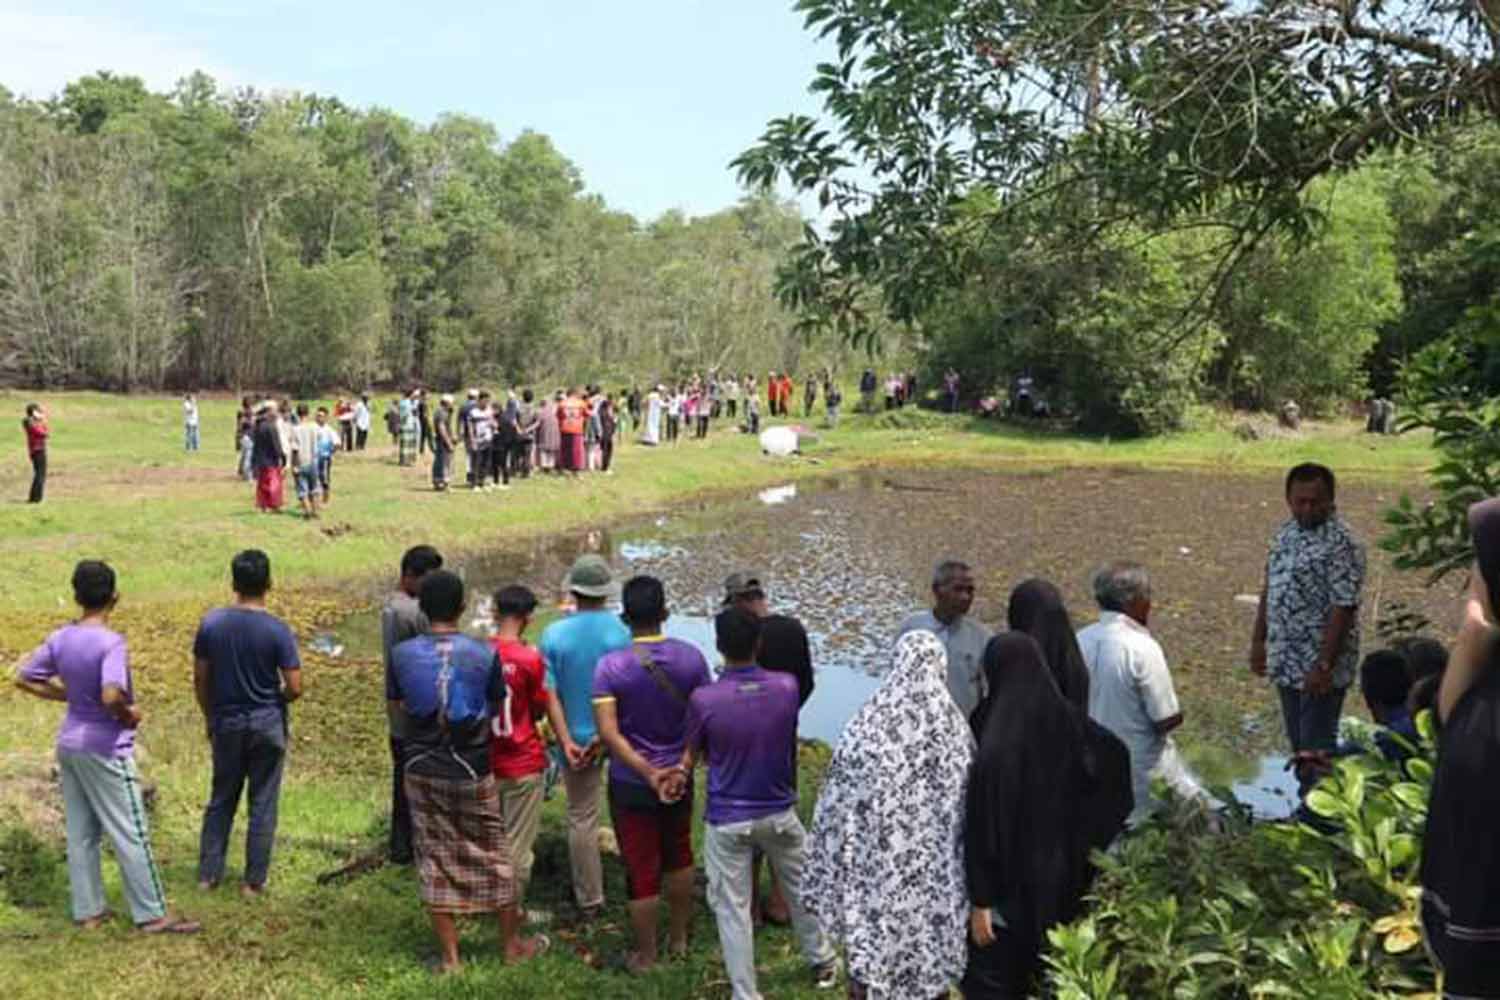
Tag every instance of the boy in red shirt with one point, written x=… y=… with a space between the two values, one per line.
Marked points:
x=519 y=759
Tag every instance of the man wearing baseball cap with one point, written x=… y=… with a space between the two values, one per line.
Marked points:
x=572 y=649
x=744 y=590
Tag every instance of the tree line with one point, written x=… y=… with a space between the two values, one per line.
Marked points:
x=208 y=238
x=1150 y=203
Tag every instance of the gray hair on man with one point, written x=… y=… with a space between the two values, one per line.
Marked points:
x=1120 y=584
x=945 y=571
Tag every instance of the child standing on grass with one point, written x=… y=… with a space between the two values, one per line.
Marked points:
x=86 y=665
x=519 y=759
x=328 y=443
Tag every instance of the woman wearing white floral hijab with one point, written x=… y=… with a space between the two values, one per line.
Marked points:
x=885 y=865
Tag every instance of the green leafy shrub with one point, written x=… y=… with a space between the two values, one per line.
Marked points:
x=1268 y=909
x=32 y=872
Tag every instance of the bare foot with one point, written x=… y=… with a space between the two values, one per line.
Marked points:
x=95 y=922
x=442 y=967
x=248 y=891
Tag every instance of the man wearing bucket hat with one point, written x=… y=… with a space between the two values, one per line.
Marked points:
x=572 y=649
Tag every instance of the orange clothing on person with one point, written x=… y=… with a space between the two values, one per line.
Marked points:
x=571 y=416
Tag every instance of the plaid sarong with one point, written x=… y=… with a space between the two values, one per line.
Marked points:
x=463 y=854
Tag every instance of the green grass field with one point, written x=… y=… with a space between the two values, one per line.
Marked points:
x=123 y=490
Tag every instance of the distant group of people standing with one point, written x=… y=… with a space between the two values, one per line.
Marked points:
x=274 y=438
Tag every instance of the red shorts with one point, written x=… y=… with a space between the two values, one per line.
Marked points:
x=653 y=838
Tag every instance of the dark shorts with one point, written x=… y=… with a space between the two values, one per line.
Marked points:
x=653 y=838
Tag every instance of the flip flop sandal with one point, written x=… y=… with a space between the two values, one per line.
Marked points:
x=175 y=926
x=95 y=922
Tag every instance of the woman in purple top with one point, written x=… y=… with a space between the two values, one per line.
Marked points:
x=86 y=665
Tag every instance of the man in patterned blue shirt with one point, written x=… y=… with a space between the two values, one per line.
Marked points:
x=1307 y=630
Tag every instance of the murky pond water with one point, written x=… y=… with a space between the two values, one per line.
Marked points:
x=852 y=556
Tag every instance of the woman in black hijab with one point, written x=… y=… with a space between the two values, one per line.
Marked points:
x=1461 y=849
x=1048 y=787
x=1036 y=608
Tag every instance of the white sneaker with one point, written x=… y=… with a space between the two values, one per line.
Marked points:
x=826 y=976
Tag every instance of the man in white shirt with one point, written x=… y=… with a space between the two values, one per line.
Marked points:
x=964 y=638
x=361 y=422
x=1130 y=686
x=190 y=422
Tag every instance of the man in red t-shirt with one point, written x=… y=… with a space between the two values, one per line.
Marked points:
x=518 y=758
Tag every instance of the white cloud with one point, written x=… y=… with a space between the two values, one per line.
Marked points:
x=40 y=53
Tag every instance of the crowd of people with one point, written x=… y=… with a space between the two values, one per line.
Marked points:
x=961 y=807
x=569 y=432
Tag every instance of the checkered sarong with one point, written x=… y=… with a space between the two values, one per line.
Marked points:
x=463 y=854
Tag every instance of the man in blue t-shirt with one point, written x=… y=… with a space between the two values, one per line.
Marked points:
x=449 y=688
x=745 y=724
x=246 y=672
x=572 y=649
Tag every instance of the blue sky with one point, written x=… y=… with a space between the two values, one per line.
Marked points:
x=651 y=98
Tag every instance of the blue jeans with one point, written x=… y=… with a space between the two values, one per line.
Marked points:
x=190 y=437
x=308 y=486
x=442 y=461
x=248 y=748
x=1312 y=722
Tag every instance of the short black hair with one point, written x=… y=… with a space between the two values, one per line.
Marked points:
x=1425 y=656
x=420 y=560
x=301 y=409
x=1312 y=472
x=322 y=409
x=1384 y=678
x=645 y=601
x=32 y=408
x=735 y=633
x=442 y=596
x=251 y=570
x=93 y=584
x=514 y=601
x=527 y=395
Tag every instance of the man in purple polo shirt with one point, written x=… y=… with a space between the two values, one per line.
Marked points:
x=640 y=705
x=746 y=724
x=87 y=665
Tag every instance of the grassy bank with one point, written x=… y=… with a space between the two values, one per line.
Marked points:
x=123 y=490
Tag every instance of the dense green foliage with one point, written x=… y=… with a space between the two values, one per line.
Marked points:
x=235 y=239
x=1269 y=910
x=1022 y=158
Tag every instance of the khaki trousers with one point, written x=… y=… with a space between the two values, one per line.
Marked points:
x=584 y=788
x=521 y=804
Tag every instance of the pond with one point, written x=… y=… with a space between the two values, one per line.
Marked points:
x=851 y=556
